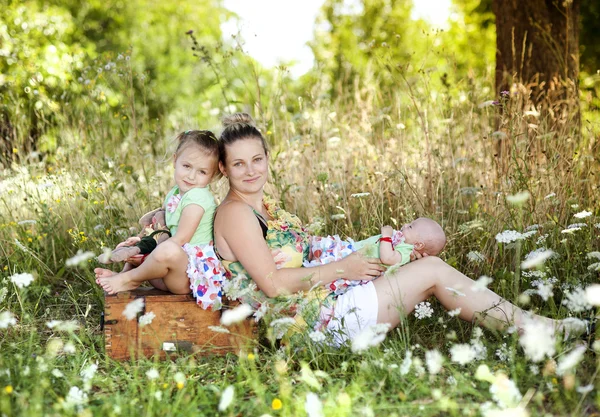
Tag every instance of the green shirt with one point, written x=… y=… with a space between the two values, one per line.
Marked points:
x=175 y=203
x=370 y=248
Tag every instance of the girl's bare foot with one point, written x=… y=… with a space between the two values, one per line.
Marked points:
x=103 y=273
x=117 y=283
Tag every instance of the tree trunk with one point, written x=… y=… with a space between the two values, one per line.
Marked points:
x=537 y=44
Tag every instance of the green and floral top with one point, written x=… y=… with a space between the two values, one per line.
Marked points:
x=289 y=242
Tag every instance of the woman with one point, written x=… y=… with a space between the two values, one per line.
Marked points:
x=256 y=239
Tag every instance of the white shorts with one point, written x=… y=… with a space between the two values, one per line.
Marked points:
x=353 y=311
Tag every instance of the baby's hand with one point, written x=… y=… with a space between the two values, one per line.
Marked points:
x=387 y=231
x=414 y=255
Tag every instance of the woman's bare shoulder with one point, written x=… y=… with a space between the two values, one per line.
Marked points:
x=232 y=213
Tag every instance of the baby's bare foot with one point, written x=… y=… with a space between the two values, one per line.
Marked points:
x=117 y=283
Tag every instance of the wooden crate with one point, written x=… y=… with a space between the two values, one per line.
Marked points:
x=180 y=326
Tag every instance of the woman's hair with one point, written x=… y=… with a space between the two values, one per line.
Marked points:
x=236 y=127
x=203 y=138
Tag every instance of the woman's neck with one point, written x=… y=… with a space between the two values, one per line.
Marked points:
x=253 y=200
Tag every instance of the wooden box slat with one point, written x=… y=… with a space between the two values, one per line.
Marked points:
x=180 y=325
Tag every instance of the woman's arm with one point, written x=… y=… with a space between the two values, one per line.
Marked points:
x=236 y=224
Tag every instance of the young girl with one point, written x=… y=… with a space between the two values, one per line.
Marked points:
x=187 y=259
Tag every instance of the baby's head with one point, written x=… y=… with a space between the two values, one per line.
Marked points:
x=196 y=159
x=426 y=235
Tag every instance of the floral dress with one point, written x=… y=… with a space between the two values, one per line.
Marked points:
x=289 y=242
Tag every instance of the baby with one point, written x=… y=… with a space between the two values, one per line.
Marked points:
x=392 y=247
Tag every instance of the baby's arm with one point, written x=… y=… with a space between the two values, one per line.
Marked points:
x=387 y=254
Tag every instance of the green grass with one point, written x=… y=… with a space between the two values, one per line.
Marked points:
x=87 y=197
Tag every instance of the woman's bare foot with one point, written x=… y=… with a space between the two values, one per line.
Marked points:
x=117 y=283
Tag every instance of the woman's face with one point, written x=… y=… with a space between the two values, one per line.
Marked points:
x=246 y=165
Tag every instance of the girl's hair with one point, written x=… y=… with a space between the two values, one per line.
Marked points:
x=203 y=138
x=238 y=126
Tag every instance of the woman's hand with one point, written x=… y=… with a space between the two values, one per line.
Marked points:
x=357 y=267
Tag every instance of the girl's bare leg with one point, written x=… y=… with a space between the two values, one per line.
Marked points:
x=168 y=261
x=417 y=281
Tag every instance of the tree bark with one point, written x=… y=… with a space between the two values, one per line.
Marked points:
x=537 y=44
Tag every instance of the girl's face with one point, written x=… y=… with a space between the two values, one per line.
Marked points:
x=246 y=166
x=194 y=168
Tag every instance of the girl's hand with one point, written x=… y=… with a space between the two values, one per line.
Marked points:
x=131 y=241
x=356 y=267
x=414 y=255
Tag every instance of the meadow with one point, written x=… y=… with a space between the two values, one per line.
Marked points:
x=509 y=184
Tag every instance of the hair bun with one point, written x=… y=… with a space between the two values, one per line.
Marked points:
x=238 y=119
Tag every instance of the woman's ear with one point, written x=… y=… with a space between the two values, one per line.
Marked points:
x=222 y=169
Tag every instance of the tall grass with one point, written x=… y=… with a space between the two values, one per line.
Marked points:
x=346 y=166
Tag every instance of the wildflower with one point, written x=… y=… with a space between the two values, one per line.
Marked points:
x=585 y=389
x=592 y=295
x=451 y=380
x=570 y=361
x=69 y=348
x=22 y=280
x=226 y=398
x=251 y=356
x=577 y=225
x=576 y=300
x=549 y=196
x=475 y=256
x=179 y=378
x=545 y=290
x=359 y=195
x=339 y=216
x=317 y=336
x=218 y=329
x=63 y=326
x=3 y=291
x=236 y=315
x=519 y=198
x=570 y=230
x=406 y=363
x=503 y=353
x=280 y=326
x=481 y=284
x=462 y=353
x=537 y=340
x=57 y=373
x=146 y=319
x=508 y=236
x=8 y=389
x=76 y=398
x=582 y=214
x=456 y=292
x=276 y=404
x=133 y=308
x=370 y=337
x=433 y=360
x=26 y=222
x=455 y=312
x=597 y=225
x=537 y=258
x=313 y=406
x=504 y=391
x=423 y=310
x=80 y=258
x=7 y=319
x=152 y=374
x=87 y=374
x=488 y=103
